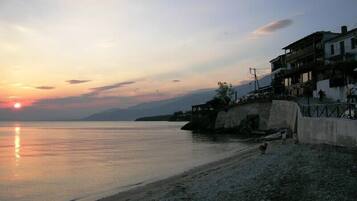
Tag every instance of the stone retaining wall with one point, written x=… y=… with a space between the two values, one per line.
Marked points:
x=233 y=117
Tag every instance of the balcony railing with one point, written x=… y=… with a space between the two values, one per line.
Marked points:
x=302 y=68
x=300 y=53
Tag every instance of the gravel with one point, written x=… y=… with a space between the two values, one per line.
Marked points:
x=286 y=172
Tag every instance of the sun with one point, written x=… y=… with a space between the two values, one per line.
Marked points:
x=17 y=105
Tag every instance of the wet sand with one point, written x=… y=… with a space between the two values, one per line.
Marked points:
x=286 y=172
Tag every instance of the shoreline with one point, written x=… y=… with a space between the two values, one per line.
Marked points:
x=132 y=193
x=286 y=172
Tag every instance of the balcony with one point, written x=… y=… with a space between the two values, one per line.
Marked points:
x=299 y=54
x=311 y=66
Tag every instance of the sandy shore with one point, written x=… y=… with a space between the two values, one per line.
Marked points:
x=287 y=172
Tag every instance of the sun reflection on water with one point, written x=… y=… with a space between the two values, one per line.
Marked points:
x=17 y=144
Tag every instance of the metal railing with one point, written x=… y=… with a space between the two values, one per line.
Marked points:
x=337 y=110
x=300 y=53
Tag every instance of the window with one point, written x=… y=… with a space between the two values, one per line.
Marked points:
x=332 y=50
x=306 y=77
x=353 y=43
x=287 y=82
x=318 y=45
x=342 y=47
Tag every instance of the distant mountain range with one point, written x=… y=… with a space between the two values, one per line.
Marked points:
x=154 y=108
x=169 y=106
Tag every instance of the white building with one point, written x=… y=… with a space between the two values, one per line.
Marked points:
x=342 y=47
x=340 y=54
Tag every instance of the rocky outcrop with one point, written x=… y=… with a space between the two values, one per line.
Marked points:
x=202 y=123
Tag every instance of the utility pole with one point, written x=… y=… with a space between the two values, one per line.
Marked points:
x=253 y=71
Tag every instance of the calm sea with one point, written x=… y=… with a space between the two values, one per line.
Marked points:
x=50 y=161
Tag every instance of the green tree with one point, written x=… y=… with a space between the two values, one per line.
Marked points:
x=225 y=93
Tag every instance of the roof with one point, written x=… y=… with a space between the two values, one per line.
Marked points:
x=342 y=35
x=278 y=70
x=307 y=37
x=277 y=58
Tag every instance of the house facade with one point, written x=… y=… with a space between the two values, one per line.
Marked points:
x=320 y=62
x=338 y=77
x=278 y=67
x=303 y=60
x=342 y=47
x=278 y=64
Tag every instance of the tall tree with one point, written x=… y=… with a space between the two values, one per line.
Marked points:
x=225 y=93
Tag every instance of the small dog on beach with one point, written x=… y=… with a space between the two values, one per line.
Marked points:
x=263 y=148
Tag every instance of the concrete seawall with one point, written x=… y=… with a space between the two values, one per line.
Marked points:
x=286 y=114
x=333 y=131
x=283 y=114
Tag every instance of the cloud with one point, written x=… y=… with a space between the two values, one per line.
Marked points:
x=112 y=86
x=272 y=27
x=176 y=80
x=45 y=87
x=77 y=81
x=96 y=103
x=97 y=90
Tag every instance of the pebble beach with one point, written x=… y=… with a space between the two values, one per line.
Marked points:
x=286 y=172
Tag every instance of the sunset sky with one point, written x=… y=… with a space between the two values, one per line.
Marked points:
x=115 y=53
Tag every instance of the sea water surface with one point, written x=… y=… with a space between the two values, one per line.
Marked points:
x=62 y=161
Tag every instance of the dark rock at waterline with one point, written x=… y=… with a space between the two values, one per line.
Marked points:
x=188 y=126
x=202 y=123
x=207 y=124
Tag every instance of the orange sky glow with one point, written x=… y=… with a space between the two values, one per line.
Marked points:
x=61 y=54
